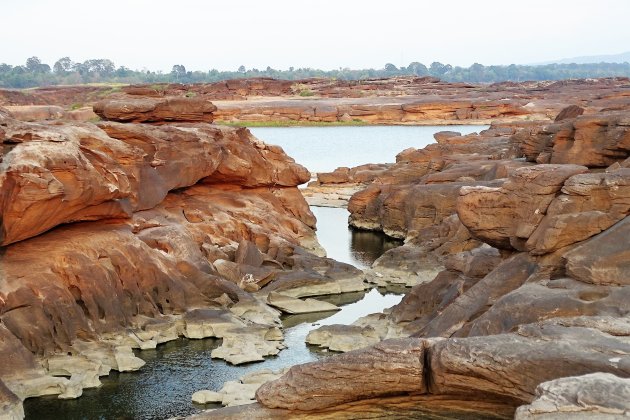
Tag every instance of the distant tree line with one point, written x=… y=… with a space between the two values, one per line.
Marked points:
x=66 y=72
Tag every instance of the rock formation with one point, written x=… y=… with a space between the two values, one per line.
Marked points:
x=517 y=244
x=118 y=236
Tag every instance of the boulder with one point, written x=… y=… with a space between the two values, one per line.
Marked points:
x=512 y=365
x=602 y=260
x=572 y=111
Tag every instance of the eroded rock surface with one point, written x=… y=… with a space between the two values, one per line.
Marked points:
x=598 y=395
x=395 y=366
x=124 y=236
x=152 y=110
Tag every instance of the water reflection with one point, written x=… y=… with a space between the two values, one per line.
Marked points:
x=366 y=246
x=360 y=247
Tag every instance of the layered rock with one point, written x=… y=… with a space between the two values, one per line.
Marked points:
x=151 y=110
x=394 y=366
x=178 y=220
x=505 y=367
x=544 y=297
x=57 y=174
x=591 y=140
x=600 y=395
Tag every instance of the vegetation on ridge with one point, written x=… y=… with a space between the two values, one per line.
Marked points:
x=66 y=72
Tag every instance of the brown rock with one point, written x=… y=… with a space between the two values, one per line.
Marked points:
x=507 y=276
x=395 y=366
x=10 y=405
x=512 y=365
x=506 y=217
x=591 y=140
x=81 y=172
x=572 y=111
x=597 y=395
x=589 y=204
x=602 y=260
x=37 y=112
x=156 y=110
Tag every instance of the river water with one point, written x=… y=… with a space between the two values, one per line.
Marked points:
x=322 y=149
x=173 y=371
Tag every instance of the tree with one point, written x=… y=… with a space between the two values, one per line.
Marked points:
x=34 y=65
x=438 y=69
x=390 y=67
x=418 y=69
x=63 y=66
x=178 y=71
x=241 y=69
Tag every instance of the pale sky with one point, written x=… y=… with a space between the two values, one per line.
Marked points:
x=326 y=34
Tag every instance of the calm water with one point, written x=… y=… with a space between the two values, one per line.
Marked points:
x=163 y=387
x=357 y=247
x=322 y=149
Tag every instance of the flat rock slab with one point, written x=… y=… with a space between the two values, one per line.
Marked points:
x=293 y=305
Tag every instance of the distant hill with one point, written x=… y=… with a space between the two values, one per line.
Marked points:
x=610 y=58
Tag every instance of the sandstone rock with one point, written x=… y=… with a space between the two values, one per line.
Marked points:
x=35 y=383
x=589 y=204
x=589 y=140
x=313 y=276
x=403 y=407
x=79 y=172
x=572 y=111
x=395 y=366
x=249 y=344
x=236 y=393
x=457 y=311
x=403 y=210
x=77 y=367
x=156 y=110
x=600 y=395
x=292 y=305
x=558 y=298
x=203 y=323
x=506 y=217
x=343 y=338
x=512 y=365
x=37 y=112
x=602 y=259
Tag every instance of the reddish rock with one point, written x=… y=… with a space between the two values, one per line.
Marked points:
x=506 y=217
x=37 y=112
x=602 y=260
x=156 y=110
x=591 y=140
x=571 y=111
x=81 y=172
x=394 y=366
